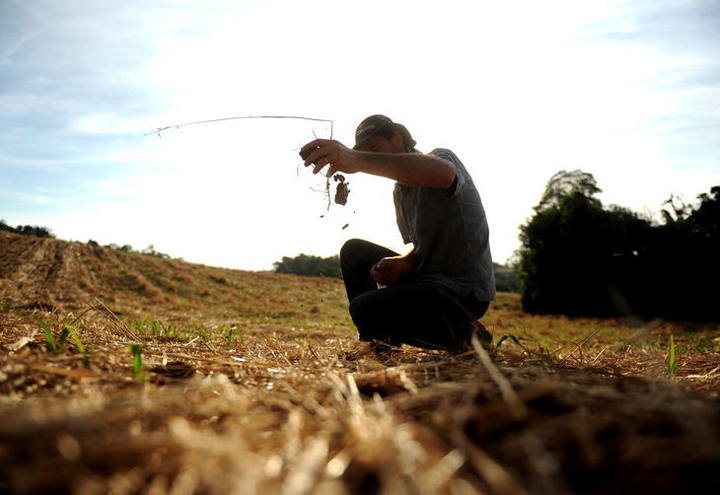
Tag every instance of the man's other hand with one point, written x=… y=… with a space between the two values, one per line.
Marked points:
x=333 y=154
x=387 y=271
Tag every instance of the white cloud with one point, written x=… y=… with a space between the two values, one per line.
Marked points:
x=105 y=123
x=518 y=89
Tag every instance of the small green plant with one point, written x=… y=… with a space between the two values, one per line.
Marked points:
x=203 y=333
x=168 y=330
x=50 y=341
x=58 y=344
x=156 y=328
x=233 y=334
x=71 y=331
x=137 y=364
x=508 y=337
x=671 y=361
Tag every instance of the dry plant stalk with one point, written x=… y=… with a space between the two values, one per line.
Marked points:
x=159 y=130
x=341 y=191
x=517 y=408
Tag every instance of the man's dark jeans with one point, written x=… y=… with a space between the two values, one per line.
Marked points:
x=423 y=314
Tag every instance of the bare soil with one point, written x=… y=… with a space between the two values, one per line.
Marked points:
x=254 y=383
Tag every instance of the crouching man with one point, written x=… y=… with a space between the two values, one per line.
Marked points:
x=432 y=296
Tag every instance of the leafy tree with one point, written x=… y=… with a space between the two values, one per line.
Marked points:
x=565 y=185
x=566 y=250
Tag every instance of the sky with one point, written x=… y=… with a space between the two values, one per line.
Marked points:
x=627 y=91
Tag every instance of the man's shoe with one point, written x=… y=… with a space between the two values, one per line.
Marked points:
x=377 y=349
x=482 y=334
x=478 y=330
x=357 y=351
x=383 y=351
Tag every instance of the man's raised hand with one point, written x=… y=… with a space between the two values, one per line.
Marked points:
x=333 y=154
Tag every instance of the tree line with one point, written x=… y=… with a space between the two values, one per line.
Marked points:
x=127 y=248
x=26 y=230
x=505 y=278
x=36 y=231
x=581 y=258
x=306 y=264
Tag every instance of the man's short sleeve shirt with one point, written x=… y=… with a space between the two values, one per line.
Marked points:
x=449 y=231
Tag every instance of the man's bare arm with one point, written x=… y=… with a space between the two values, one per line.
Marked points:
x=413 y=169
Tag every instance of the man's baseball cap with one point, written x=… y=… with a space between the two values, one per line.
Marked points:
x=376 y=124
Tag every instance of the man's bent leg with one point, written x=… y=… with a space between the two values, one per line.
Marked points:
x=356 y=258
x=418 y=314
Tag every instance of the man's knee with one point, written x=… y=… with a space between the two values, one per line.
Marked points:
x=351 y=247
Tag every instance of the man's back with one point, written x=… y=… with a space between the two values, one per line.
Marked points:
x=449 y=231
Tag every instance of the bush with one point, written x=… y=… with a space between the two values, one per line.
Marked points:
x=506 y=280
x=304 y=264
x=27 y=230
x=580 y=258
x=150 y=251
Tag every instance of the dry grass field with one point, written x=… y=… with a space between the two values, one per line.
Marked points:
x=246 y=382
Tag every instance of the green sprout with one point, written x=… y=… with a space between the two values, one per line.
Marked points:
x=508 y=337
x=137 y=366
x=71 y=331
x=232 y=334
x=52 y=344
x=671 y=361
